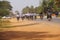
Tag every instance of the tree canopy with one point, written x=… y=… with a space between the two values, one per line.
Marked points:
x=45 y=5
x=5 y=8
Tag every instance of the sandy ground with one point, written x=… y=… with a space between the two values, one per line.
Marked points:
x=31 y=30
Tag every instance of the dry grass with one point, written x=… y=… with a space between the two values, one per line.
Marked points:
x=23 y=30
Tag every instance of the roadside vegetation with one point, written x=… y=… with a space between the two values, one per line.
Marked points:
x=4 y=23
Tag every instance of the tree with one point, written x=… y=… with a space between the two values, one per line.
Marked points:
x=5 y=5
x=25 y=10
x=57 y=3
x=4 y=12
x=5 y=8
x=44 y=6
x=51 y=3
x=38 y=9
x=32 y=9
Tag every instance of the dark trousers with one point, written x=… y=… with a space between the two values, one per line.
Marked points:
x=18 y=18
x=49 y=16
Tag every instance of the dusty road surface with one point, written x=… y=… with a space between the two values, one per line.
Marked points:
x=31 y=30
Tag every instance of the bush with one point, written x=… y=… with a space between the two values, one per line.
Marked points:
x=4 y=23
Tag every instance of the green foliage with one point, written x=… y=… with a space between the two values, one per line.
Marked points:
x=25 y=10
x=44 y=3
x=4 y=12
x=38 y=9
x=58 y=9
x=28 y=9
x=51 y=4
x=41 y=8
x=32 y=9
x=5 y=5
x=5 y=8
x=44 y=6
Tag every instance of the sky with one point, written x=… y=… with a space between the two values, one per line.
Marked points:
x=20 y=4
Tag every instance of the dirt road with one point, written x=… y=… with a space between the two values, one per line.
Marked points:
x=31 y=30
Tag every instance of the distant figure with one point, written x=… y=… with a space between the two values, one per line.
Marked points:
x=23 y=17
x=49 y=15
x=18 y=17
x=27 y=16
x=41 y=15
x=31 y=16
x=56 y=13
x=35 y=16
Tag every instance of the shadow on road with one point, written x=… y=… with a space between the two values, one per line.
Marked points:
x=26 y=25
x=9 y=35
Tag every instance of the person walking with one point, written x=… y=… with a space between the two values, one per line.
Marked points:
x=56 y=13
x=41 y=15
x=18 y=17
x=49 y=15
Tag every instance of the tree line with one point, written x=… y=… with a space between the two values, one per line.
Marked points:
x=5 y=8
x=54 y=5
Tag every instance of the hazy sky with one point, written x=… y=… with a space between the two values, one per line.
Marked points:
x=20 y=4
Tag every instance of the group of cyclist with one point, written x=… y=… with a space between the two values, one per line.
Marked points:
x=48 y=14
